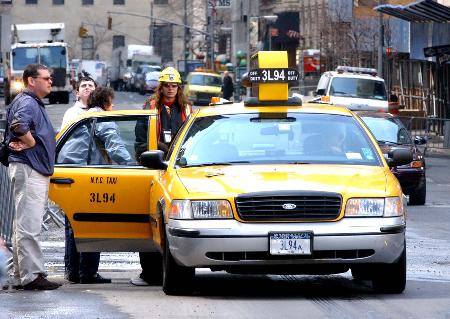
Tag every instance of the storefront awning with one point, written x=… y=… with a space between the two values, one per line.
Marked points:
x=420 y=11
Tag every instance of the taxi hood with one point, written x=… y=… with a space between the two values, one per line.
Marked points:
x=230 y=181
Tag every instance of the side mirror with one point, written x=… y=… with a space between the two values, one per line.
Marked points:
x=398 y=157
x=420 y=140
x=320 y=92
x=153 y=159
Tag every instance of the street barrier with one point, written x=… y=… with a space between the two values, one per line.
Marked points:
x=436 y=131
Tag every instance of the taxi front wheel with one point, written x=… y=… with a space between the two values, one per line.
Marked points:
x=391 y=278
x=177 y=279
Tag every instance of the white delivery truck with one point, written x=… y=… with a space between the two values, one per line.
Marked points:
x=38 y=43
x=97 y=70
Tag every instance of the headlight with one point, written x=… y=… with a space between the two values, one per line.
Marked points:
x=17 y=86
x=374 y=207
x=200 y=209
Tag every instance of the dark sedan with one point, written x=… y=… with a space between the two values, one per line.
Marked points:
x=392 y=134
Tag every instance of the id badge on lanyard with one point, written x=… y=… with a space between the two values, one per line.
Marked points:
x=167 y=136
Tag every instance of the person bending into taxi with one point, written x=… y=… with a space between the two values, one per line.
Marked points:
x=83 y=267
x=173 y=110
x=31 y=138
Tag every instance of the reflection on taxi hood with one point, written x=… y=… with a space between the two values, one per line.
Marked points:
x=238 y=179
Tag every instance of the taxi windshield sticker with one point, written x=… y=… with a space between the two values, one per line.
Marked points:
x=353 y=156
x=367 y=153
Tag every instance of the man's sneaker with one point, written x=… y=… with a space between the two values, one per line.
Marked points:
x=40 y=283
x=96 y=279
x=138 y=281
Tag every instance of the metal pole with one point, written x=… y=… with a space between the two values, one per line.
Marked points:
x=185 y=39
x=213 y=12
x=151 y=23
x=381 y=41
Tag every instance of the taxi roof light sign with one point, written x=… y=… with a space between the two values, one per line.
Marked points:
x=270 y=75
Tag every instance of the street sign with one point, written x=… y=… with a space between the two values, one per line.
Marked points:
x=219 y=3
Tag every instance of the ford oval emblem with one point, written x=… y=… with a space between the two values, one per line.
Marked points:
x=289 y=206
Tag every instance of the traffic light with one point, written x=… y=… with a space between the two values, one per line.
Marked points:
x=109 y=23
x=82 y=32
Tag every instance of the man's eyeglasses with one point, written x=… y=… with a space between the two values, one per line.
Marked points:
x=173 y=86
x=45 y=78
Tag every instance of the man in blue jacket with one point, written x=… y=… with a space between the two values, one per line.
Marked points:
x=31 y=139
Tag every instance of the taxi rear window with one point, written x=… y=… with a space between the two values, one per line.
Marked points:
x=269 y=138
x=209 y=80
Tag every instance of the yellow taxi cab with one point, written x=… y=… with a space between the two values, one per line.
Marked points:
x=201 y=85
x=269 y=185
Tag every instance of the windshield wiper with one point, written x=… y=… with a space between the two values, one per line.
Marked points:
x=341 y=93
x=217 y=164
x=298 y=163
x=388 y=142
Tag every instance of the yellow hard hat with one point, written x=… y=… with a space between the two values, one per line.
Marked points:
x=170 y=74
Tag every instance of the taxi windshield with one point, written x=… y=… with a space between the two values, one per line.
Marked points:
x=52 y=57
x=358 y=88
x=276 y=138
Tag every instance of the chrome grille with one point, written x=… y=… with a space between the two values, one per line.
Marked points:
x=291 y=206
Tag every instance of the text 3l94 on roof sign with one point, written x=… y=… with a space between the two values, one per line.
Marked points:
x=273 y=75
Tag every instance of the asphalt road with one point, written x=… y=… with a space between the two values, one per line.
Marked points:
x=221 y=295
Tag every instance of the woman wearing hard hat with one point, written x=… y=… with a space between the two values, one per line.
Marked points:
x=173 y=109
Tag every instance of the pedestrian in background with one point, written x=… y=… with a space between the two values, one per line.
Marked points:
x=173 y=110
x=227 y=86
x=84 y=87
x=31 y=139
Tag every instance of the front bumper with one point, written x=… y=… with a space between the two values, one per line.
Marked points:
x=210 y=243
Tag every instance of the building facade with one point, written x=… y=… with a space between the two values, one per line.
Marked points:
x=94 y=27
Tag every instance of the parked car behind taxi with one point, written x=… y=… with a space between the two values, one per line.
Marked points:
x=392 y=134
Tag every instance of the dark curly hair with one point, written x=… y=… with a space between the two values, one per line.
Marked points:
x=100 y=97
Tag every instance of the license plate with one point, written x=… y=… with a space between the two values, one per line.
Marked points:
x=290 y=243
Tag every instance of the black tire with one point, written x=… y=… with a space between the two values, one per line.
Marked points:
x=391 y=278
x=52 y=99
x=418 y=197
x=8 y=99
x=177 y=279
x=64 y=97
x=361 y=272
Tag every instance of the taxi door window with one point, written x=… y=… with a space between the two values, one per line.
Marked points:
x=114 y=141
